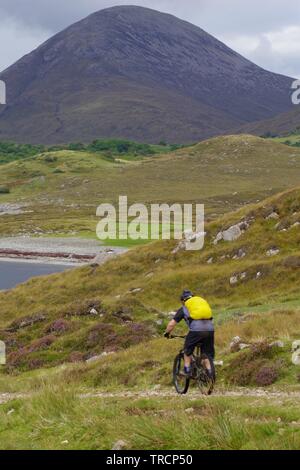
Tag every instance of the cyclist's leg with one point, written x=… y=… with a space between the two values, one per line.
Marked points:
x=187 y=359
x=191 y=341
x=208 y=349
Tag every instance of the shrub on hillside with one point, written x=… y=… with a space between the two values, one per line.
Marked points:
x=292 y=262
x=10 y=151
x=59 y=326
x=50 y=159
x=41 y=343
x=22 y=356
x=101 y=335
x=266 y=375
x=260 y=349
x=76 y=356
x=4 y=190
x=120 y=147
x=109 y=337
x=243 y=369
x=243 y=375
x=75 y=146
x=84 y=308
x=25 y=322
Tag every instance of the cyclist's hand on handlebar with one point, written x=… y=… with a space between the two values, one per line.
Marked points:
x=167 y=335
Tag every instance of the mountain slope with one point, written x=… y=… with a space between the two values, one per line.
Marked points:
x=282 y=124
x=135 y=73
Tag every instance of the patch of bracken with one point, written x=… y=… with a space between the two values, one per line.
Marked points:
x=260 y=349
x=76 y=356
x=85 y=308
x=20 y=356
x=100 y=334
x=267 y=375
x=123 y=314
x=109 y=337
x=25 y=322
x=243 y=376
x=35 y=363
x=59 y=326
x=41 y=343
x=242 y=369
x=292 y=262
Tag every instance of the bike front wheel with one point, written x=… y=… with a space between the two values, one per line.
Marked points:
x=180 y=381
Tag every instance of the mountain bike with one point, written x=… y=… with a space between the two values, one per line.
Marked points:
x=199 y=373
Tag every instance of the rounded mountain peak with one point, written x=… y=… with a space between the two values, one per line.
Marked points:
x=136 y=73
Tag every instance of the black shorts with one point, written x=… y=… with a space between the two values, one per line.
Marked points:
x=204 y=339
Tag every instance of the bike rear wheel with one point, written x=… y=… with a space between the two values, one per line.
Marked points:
x=206 y=377
x=181 y=381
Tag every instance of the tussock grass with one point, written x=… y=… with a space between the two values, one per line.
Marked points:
x=58 y=419
x=283 y=324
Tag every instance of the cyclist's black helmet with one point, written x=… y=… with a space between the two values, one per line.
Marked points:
x=186 y=294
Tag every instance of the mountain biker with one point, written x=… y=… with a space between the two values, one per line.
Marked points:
x=198 y=316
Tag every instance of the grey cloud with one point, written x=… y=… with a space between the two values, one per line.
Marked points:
x=16 y=40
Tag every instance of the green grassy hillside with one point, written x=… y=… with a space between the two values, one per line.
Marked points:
x=57 y=400
x=141 y=286
x=223 y=173
x=57 y=418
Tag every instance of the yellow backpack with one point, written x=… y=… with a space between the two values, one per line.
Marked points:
x=198 y=308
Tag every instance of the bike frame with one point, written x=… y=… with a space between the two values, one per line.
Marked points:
x=197 y=370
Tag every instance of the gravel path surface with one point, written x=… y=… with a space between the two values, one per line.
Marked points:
x=170 y=393
x=240 y=392
x=6 y=397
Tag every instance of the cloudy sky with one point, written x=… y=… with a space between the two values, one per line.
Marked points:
x=265 y=31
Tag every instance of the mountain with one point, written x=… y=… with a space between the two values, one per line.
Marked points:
x=282 y=124
x=131 y=72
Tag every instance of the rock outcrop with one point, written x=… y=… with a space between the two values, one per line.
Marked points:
x=232 y=233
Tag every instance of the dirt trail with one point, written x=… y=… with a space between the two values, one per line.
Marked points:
x=5 y=397
x=194 y=394
x=240 y=392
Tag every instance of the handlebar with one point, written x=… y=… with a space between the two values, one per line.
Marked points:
x=176 y=336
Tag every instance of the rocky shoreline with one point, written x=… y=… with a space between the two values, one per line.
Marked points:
x=35 y=255
x=63 y=250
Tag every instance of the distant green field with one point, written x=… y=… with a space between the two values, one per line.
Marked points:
x=145 y=229
x=292 y=139
x=63 y=188
x=109 y=149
